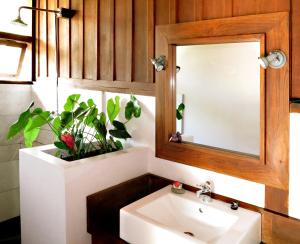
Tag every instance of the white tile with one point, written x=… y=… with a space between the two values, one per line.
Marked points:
x=14 y=98
x=9 y=153
x=5 y=122
x=9 y=176
x=9 y=204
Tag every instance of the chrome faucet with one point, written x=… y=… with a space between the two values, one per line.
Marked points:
x=204 y=192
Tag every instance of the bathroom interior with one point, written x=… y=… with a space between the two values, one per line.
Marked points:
x=150 y=121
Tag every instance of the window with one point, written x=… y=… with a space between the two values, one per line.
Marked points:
x=15 y=43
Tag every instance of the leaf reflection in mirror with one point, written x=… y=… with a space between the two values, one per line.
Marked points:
x=176 y=137
x=179 y=111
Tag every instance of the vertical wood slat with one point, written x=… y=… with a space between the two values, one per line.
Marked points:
x=43 y=40
x=295 y=48
x=143 y=40
x=51 y=40
x=162 y=12
x=37 y=40
x=276 y=200
x=64 y=42
x=77 y=39
x=189 y=10
x=123 y=40
x=215 y=9
x=242 y=7
x=91 y=39
x=106 y=26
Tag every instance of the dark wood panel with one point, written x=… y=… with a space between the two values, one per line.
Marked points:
x=295 y=48
x=51 y=40
x=77 y=40
x=242 y=7
x=123 y=40
x=91 y=39
x=162 y=12
x=215 y=9
x=64 y=42
x=143 y=40
x=106 y=26
x=189 y=10
x=43 y=38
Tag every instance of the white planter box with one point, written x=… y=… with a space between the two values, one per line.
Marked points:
x=53 y=191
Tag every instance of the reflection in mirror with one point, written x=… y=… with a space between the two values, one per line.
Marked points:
x=218 y=95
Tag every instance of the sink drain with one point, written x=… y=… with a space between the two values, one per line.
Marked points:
x=188 y=233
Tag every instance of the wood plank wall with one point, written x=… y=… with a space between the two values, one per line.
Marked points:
x=107 y=45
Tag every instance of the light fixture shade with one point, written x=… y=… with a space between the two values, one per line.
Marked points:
x=159 y=63
x=19 y=21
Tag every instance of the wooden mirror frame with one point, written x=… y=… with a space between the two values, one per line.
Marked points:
x=272 y=166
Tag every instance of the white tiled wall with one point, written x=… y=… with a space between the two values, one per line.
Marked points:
x=13 y=100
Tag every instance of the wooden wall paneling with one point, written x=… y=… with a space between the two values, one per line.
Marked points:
x=64 y=42
x=189 y=10
x=215 y=9
x=276 y=200
x=37 y=41
x=295 y=48
x=43 y=40
x=51 y=39
x=247 y=7
x=123 y=40
x=77 y=25
x=91 y=39
x=162 y=12
x=143 y=40
x=106 y=26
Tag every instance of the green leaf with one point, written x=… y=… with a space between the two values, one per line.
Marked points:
x=39 y=120
x=119 y=125
x=61 y=145
x=102 y=118
x=113 y=108
x=132 y=108
x=92 y=115
x=66 y=118
x=30 y=135
x=100 y=128
x=71 y=101
x=37 y=111
x=179 y=111
x=90 y=102
x=57 y=124
x=118 y=145
x=121 y=134
x=20 y=125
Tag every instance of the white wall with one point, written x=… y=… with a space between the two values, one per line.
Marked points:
x=13 y=100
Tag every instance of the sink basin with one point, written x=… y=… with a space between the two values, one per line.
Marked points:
x=164 y=217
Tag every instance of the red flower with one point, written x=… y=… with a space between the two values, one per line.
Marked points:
x=176 y=184
x=68 y=139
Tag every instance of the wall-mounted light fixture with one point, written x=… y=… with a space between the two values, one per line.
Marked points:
x=275 y=59
x=60 y=13
x=159 y=63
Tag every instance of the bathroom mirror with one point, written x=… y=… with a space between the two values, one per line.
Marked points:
x=218 y=95
x=234 y=114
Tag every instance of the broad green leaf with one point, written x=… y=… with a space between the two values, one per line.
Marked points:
x=57 y=125
x=37 y=111
x=119 y=125
x=39 y=120
x=66 y=119
x=118 y=145
x=30 y=135
x=83 y=105
x=90 y=102
x=132 y=108
x=100 y=128
x=102 y=118
x=71 y=101
x=92 y=115
x=121 y=134
x=61 y=145
x=113 y=108
x=20 y=125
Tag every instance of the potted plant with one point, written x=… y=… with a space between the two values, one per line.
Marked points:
x=81 y=130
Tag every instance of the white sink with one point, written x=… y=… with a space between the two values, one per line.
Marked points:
x=164 y=217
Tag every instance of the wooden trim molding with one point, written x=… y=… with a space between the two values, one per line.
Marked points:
x=294 y=107
x=272 y=168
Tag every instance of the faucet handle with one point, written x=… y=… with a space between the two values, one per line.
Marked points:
x=205 y=187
